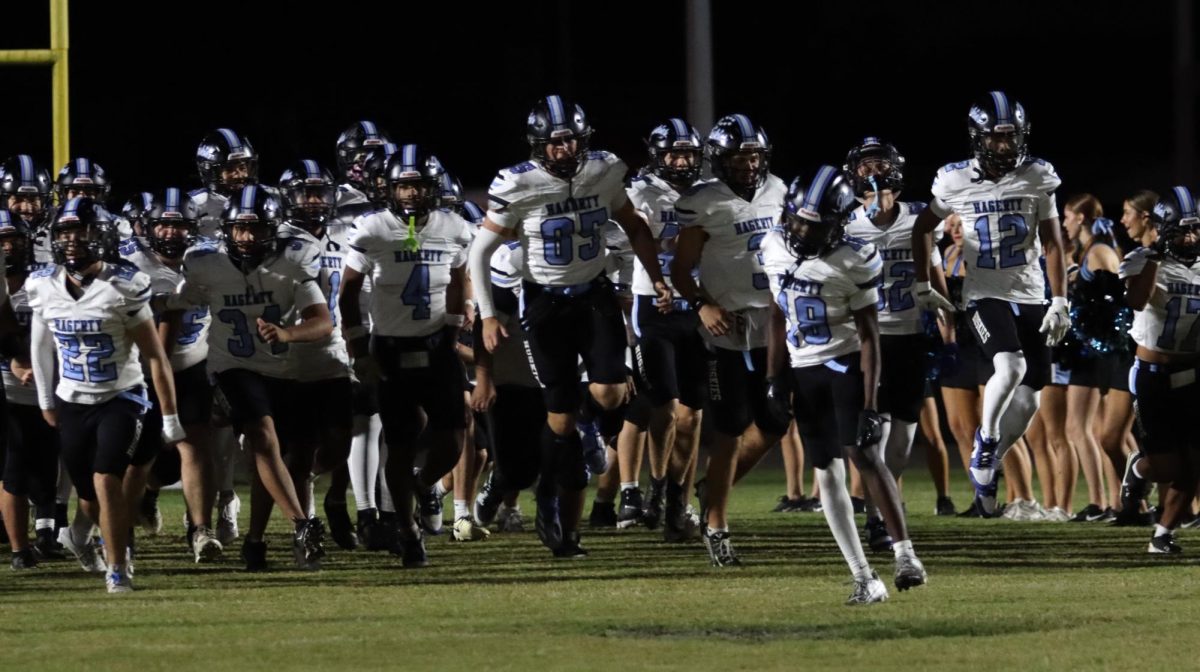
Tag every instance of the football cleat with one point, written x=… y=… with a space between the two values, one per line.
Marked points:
x=255 y=555
x=205 y=545
x=868 y=591
x=465 y=529
x=229 y=505
x=631 y=508
x=910 y=572
x=720 y=550
x=86 y=553
x=1164 y=544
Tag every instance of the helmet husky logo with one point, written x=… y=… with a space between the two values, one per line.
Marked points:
x=674 y=143
x=815 y=212
x=733 y=136
x=999 y=132
x=82 y=234
x=554 y=120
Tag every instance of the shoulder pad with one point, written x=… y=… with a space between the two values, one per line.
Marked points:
x=951 y=167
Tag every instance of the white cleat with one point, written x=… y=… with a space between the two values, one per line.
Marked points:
x=910 y=573
x=465 y=529
x=868 y=592
x=118 y=582
x=206 y=546
x=86 y=553
x=227 y=522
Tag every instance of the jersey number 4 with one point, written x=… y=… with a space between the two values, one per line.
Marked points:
x=558 y=236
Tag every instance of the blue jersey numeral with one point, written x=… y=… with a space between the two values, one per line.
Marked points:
x=241 y=344
x=755 y=245
x=810 y=320
x=416 y=292
x=335 y=282
x=190 y=326
x=897 y=298
x=1013 y=231
x=95 y=369
x=558 y=237
x=1167 y=340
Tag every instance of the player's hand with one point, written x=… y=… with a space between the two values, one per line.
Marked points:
x=1056 y=322
x=172 y=429
x=929 y=299
x=50 y=415
x=665 y=297
x=870 y=429
x=366 y=369
x=484 y=394
x=22 y=371
x=716 y=319
x=779 y=399
x=273 y=333
x=493 y=333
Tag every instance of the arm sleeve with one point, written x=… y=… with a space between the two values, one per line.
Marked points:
x=42 y=351
x=479 y=266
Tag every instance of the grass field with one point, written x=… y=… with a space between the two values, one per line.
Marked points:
x=1002 y=595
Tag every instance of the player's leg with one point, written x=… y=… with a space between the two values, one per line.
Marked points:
x=1083 y=404
x=194 y=397
x=937 y=459
x=366 y=428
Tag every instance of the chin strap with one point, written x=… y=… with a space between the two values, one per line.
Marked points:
x=411 y=243
x=873 y=209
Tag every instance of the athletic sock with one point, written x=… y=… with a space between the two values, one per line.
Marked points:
x=461 y=510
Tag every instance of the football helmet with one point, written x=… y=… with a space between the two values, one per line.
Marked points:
x=554 y=120
x=671 y=144
x=309 y=195
x=171 y=223
x=82 y=234
x=226 y=161
x=740 y=154
x=815 y=212
x=999 y=133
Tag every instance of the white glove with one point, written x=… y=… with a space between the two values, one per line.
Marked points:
x=929 y=299
x=172 y=429
x=1056 y=322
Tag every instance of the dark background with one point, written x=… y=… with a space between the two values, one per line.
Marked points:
x=1098 y=81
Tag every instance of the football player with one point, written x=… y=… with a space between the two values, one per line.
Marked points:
x=26 y=188
x=261 y=301
x=724 y=221
x=826 y=288
x=324 y=394
x=669 y=345
x=556 y=204
x=171 y=228
x=1005 y=198
x=91 y=316
x=1163 y=280
x=226 y=162
x=354 y=145
x=415 y=255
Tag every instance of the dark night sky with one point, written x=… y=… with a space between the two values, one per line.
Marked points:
x=1096 y=80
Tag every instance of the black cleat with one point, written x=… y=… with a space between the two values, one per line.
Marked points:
x=255 y=555
x=370 y=530
x=1164 y=544
x=570 y=548
x=546 y=522
x=487 y=503
x=631 y=508
x=24 y=559
x=720 y=549
x=412 y=549
x=1132 y=517
x=307 y=543
x=945 y=507
x=603 y=515
x=46 y=547
x=678 y=526
x=340 y=527
x=785 y=505
x=809 y=505
x=1089 y=514
x=878 y=538
x=652 y=516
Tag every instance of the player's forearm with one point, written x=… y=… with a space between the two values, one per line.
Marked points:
x=164 y=382
x=311 y=329
x=868 y=334
x=645 y=248
x=923 y=252
x=456 y=294
x=776 y=343
x=42 y=354
x=1140 y=287
x=479 y=265
x=348 y=302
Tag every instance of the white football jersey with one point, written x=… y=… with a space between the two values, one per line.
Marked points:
x=1000 y=226
x=655 y=200
x=508 y=262
x=731 y=264
x=97 y=360
x=210 y=205
x=818 y=296
x=898 y=313
x=326 y=358
x=560 y=222
x=619 y=266
x=1169 y=321
x=276 y=291
x=13 y=389
x=409 y=295
x=191 y=345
